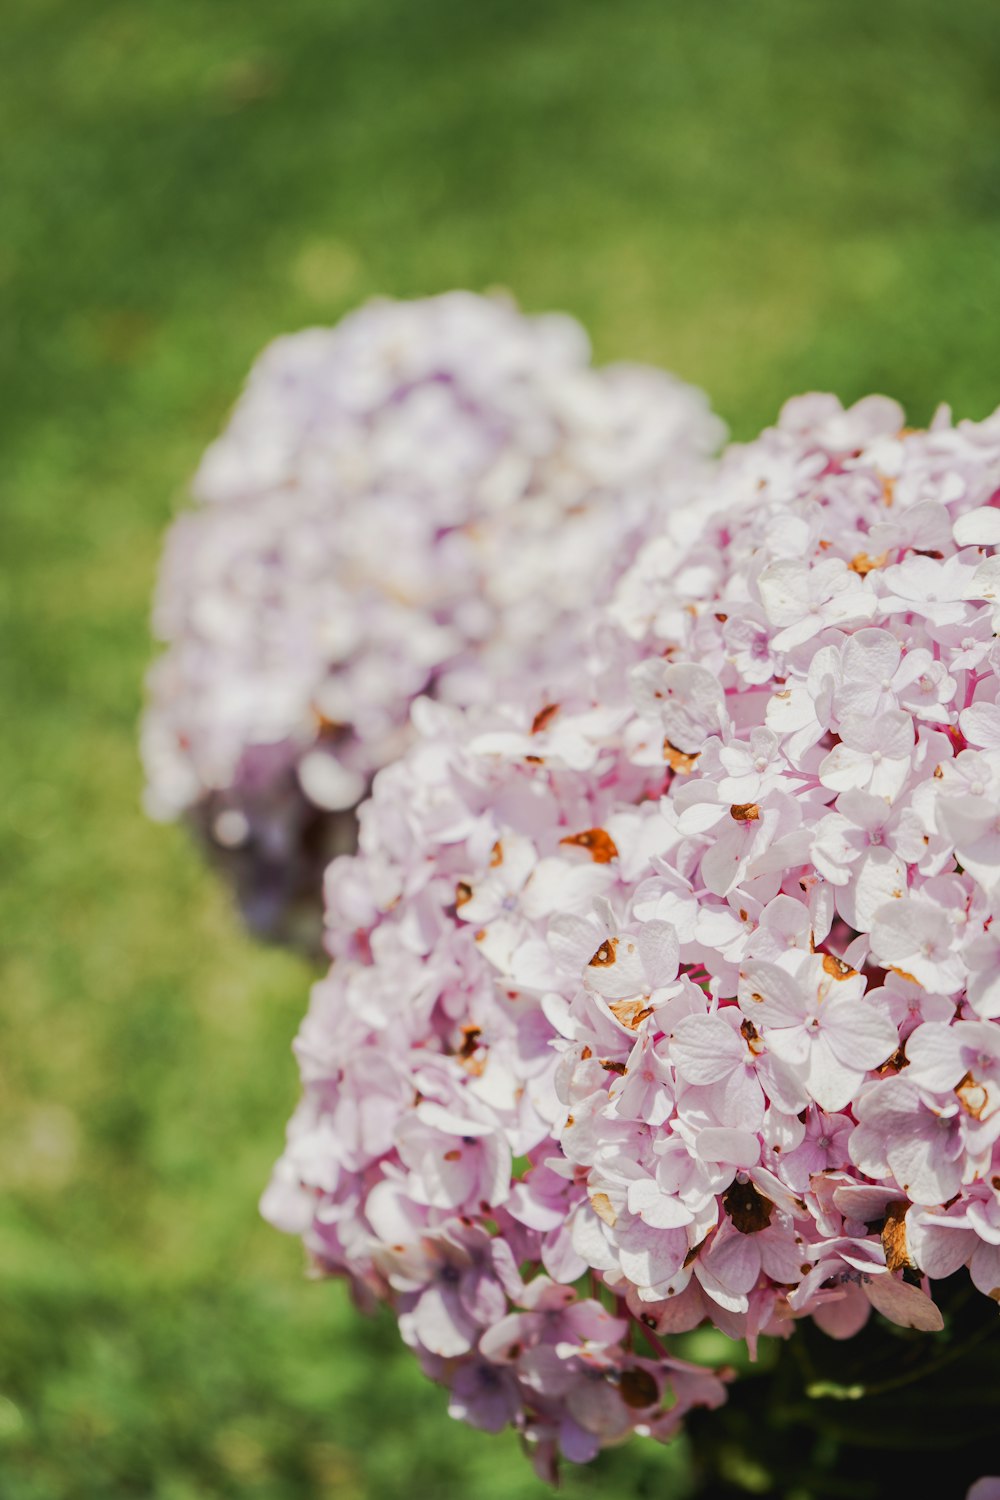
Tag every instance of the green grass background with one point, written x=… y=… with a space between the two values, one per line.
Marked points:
x=767 y=197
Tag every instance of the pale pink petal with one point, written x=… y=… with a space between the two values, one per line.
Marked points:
x=905 y=1305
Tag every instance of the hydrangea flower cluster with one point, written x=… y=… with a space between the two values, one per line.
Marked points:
x=676 y=999
x=420 y=500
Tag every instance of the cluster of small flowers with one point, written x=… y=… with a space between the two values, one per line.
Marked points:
x=422 y=499
x=676 y=999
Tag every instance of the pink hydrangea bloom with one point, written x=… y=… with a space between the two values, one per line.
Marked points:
x=420 y=500
x=702 y=950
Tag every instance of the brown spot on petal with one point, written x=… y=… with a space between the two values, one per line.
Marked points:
x=544 y=717
x=897 y=1255
x=744 y=812
x=805 y=1267
x=605 y=955
x=679 y=760
x=995 y=1294
x=326 y=729
x=722 y=619
x=604 y=1209
x=972 y=1096
x=694 y=1252
x=749 y=1210
x=534 y=760
x=751 y=1036
x=470 y=1040
x=638 y=1388
x=471 y=1045
x=463 y=893
x=455 y=1155
x=599 y=845
x=630 y=1013
x=496 y=854
x=585 y=1054
x=837 y=967
x=610 y=1066
x=939 y=772
x=861 y=562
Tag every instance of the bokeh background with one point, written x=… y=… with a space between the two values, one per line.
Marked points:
x=767 y=197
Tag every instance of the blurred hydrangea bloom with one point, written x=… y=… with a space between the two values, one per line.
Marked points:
x=420 y=500
x=675 y=999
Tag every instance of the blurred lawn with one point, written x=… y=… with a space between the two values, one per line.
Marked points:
x=766 y=197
